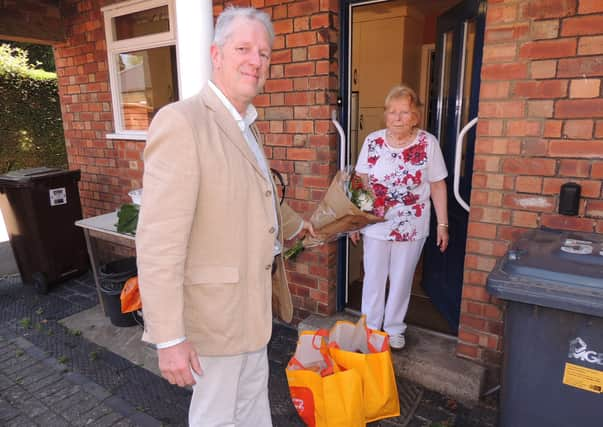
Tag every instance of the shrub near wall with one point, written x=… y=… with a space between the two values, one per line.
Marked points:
x=31 y=129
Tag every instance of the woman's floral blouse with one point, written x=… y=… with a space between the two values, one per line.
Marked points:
x=400 y=179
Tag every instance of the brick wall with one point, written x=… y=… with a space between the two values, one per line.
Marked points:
x=33 y=21
x=294 y=115
x=110 y=168
x=541 y=125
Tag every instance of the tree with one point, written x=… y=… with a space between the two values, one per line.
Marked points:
x=40 y=56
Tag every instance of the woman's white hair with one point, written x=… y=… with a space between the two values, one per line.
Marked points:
x=403 y=91
x=225 y=27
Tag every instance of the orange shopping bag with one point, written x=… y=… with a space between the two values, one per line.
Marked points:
x=366 y=351
x=323 y=395
x=130 y=296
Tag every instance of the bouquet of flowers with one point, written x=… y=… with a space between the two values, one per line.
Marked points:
x=347 y=206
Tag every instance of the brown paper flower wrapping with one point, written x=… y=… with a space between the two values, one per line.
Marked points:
x=336 y=214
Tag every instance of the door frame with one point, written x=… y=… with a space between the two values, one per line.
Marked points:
x=345 y=88
x=345 y=91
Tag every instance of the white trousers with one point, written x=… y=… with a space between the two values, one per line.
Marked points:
x=233 y=392
x=398 y=260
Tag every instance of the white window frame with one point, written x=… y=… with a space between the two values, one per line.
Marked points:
x=114 y=48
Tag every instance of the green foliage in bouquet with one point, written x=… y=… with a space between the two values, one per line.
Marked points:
x=295 y=250
x=127 y=218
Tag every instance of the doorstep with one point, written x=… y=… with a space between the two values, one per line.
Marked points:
x=429 y=359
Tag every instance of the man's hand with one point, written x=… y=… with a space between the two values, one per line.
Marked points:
x=354 y=237
x=176 y=362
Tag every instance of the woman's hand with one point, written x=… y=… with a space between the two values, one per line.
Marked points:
x=307 y=228
x=440 y=204
x=442 y=237
x=354 y=237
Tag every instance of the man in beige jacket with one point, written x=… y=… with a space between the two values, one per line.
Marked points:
x=209 y=232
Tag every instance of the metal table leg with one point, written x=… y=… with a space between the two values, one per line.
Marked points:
x=94 y=264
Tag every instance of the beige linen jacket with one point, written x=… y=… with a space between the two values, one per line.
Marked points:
x=206 y=233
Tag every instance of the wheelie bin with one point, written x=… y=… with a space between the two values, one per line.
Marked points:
x=552 y=282
x=40 y=207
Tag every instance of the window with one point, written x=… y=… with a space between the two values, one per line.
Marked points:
x=141 y=48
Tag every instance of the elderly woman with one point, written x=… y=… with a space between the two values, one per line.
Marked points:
x=404 y=167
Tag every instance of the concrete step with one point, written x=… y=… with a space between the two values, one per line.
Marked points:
x=429 y=359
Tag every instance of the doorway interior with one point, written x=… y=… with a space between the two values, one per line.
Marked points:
x=411 y=42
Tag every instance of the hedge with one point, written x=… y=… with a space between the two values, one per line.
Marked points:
x=31 y=129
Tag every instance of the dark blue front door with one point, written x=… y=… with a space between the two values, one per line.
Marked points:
x=454 y=104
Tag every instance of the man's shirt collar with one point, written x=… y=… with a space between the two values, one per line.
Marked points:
x=243 y=122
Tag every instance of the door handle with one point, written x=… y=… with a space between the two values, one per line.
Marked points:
x=457 y=163
x=360 y=122
x=341 y=139
x=355 y=78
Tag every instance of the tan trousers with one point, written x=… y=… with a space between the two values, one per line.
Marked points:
x=233 y=392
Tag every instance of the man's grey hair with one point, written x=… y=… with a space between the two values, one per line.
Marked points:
x=225 y=27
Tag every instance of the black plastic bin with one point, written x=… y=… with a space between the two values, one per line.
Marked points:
x=40 y=207
x=553 y=343
x=112 y=278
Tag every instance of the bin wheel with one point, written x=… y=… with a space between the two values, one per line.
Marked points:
x=40 y=283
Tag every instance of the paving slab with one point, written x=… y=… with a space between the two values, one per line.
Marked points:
x=123 y=341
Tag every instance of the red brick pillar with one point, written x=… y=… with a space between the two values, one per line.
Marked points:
x=540 y=125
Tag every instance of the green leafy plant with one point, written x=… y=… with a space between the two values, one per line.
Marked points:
x=127 y=218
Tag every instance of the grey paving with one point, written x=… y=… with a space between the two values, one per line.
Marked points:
x=37 y=391
x=51 y=375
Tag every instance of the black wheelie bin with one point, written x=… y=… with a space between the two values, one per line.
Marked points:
x=552 y=282
x=40 y=207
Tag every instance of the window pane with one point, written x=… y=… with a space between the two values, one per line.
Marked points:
x=143 y=23
x=148 y=80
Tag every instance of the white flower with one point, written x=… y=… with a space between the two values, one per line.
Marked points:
x=365 y=202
